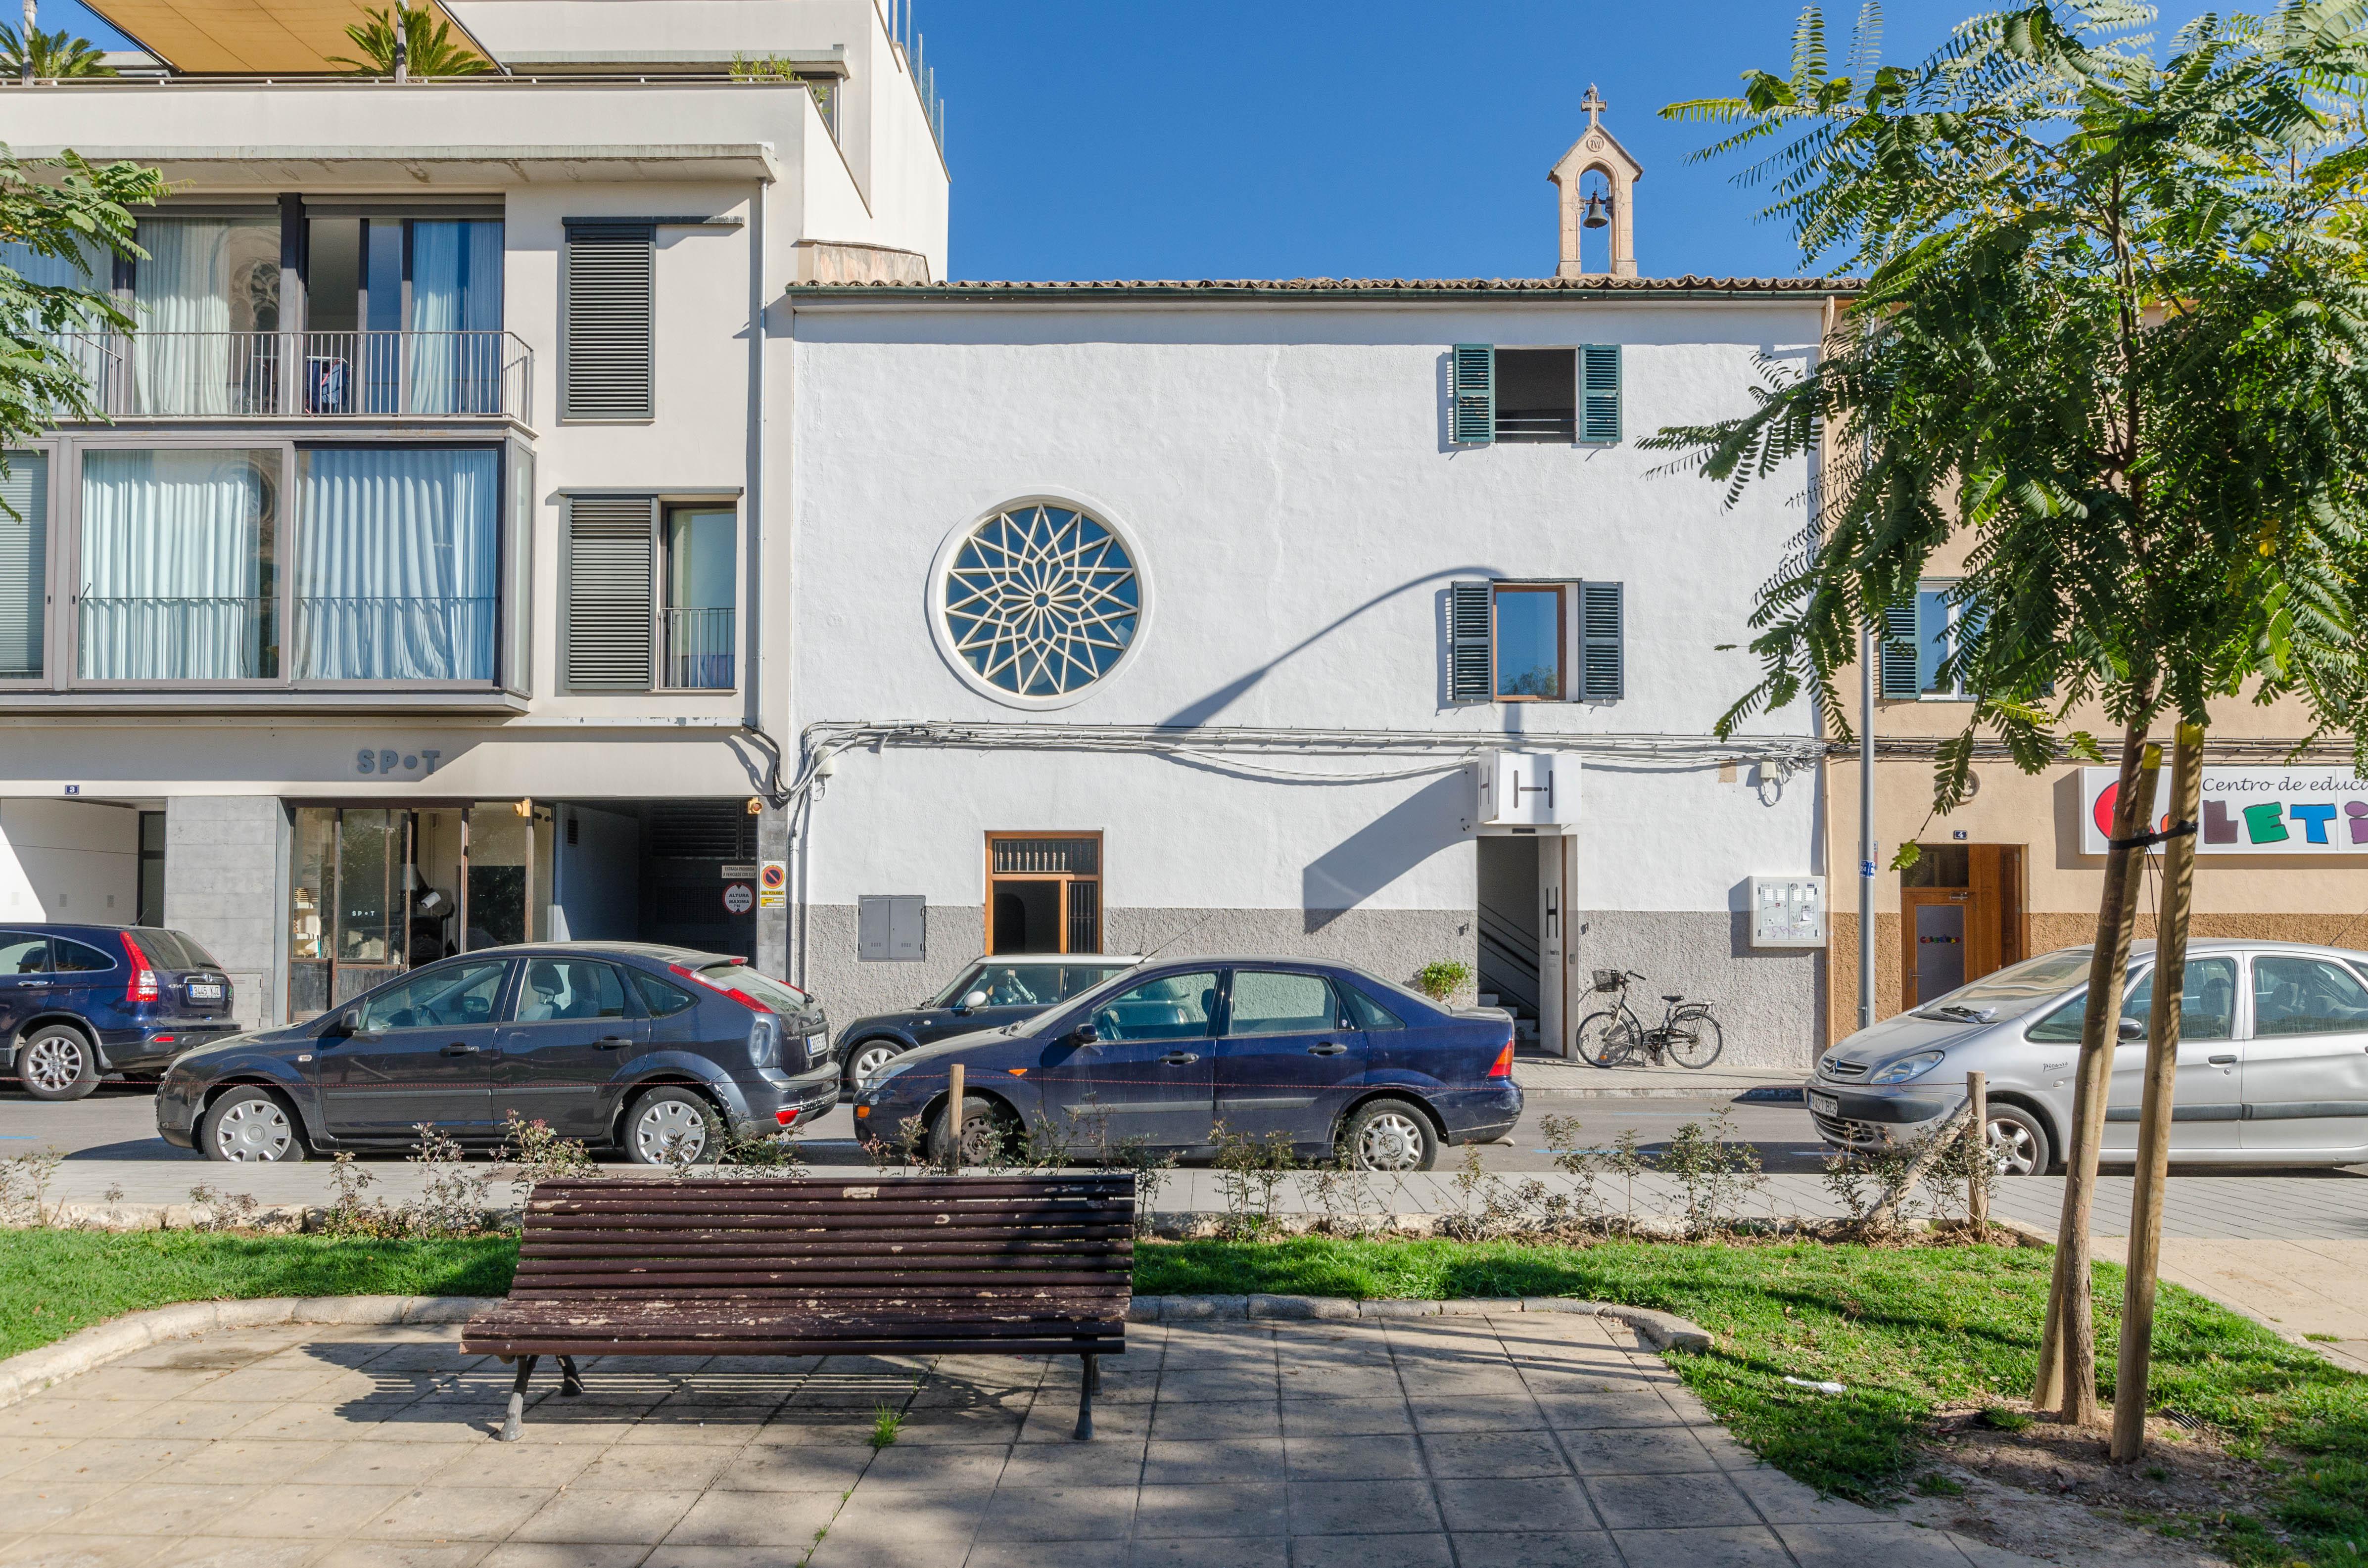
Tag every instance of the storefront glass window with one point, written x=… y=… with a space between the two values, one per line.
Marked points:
x=501 y=851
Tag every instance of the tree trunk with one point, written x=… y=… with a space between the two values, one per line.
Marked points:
x=2067 y=1356
x=2154 y=1118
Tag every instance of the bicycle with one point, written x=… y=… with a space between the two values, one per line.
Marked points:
x=1688 y=1034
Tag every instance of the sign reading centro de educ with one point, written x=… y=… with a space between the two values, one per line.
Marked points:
x=2251 y=811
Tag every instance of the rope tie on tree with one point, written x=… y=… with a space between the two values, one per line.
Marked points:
x=2147 y=840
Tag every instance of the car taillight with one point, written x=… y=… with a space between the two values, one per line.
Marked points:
x=1504 y=1068
x=144 y=986
x=736 y=995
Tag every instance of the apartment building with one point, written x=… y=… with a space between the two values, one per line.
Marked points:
x=406 y=598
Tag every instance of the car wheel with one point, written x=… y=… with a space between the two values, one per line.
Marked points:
x=990 y=1132
x=1391 y=1136
x=250 y=1126
x=868 y=1059
x=56 y=1062
x=2018 y=1143
x=670 y=1126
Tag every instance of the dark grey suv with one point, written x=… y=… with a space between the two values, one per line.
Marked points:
x=646 y=1050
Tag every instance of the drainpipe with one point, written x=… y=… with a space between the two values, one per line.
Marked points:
x=1866 y=655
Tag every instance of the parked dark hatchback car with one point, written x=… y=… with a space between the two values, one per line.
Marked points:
x=80 y=1001
x=1322 y=1054
x=988 y=994
x=650 y=1050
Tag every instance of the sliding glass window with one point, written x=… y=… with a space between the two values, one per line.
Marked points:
x=703 y=574
x=397 y=564
x=404 y=315
x=207 y=299
x=24 y=563
x=178 y=565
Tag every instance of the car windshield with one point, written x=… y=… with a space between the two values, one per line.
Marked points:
x=1016 y=984
x=172 y=949
x=2015 y=989
x=763 y=987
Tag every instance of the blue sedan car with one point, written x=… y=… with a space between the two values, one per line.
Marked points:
x=1323 y=1054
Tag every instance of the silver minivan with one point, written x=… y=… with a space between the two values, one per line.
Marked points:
x=2273 y=1060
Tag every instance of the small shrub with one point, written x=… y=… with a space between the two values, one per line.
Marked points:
x=454 y=1202
x=539 y=1154
x=1442 y=978
x=1250 y=1172
x=25 y=1186
x=1998 y=1418
x=886 y=1425
x=1717 y=1171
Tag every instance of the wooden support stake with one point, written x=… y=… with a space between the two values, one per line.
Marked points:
x=1980 y=1168
x=2153 y=1113
x=954 y=1116
x=2067 y=1346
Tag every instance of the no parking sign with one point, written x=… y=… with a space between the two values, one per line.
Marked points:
x=773 y=885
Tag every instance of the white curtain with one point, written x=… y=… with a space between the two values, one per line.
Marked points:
x=174 y=546
x=183 y=288
x=456 y=313
x=24 y=561
x=91 y=267
x=396 y=557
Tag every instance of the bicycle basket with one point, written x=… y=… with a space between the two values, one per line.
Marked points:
x=1610 y=979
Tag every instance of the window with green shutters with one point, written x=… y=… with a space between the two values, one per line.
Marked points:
x=609 y=347
x=24 y=563
x=1918 y=636
x=1533 y=395
x=1584 y=621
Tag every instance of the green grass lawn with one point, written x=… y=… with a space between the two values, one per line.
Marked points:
x=53 y=1282
x=1905 y=1330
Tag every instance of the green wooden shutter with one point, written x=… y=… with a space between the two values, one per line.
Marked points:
x=1603 y=656
x=1469 y=676
x=1598 y=392
x=610 y=351
x=1471 y=395
x=1897 y=667
x=24 y=563
x=611 y=593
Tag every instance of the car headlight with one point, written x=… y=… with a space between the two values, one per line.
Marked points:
x=1908 y=1067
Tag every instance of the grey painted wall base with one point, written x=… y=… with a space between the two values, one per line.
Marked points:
x=1767 y=999
x=1393 y=943
x=227 y=884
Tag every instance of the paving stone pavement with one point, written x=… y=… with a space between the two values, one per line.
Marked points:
x=1523 y=1441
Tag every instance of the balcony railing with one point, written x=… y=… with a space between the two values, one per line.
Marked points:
x=699 y=648
x=306 y=375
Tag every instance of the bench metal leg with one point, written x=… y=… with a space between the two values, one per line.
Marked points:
x=516 y=1419
x=1087 y=1384
x=570 y=1383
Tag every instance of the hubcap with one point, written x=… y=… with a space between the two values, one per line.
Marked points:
x=1391 y=1141
x=670 y=1129
x=254 y=1130
x=54 y=1063
x=2014 y=1151
x=869 y=1060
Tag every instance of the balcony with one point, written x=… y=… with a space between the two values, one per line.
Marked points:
x=307 y=375
x=699 y=645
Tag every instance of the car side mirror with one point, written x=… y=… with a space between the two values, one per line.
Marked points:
x=349 y=1024
x=976 y=999
x=1086 y=1034
x=2131 y=1031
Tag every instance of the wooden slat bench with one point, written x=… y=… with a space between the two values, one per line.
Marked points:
x=914 y=1266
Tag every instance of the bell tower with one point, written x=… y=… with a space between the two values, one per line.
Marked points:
x=1610 y=206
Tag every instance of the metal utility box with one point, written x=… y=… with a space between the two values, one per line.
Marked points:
x=1788 y=912
x=1525 y=792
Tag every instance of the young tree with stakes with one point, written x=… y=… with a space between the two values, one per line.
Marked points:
x=2115 y=329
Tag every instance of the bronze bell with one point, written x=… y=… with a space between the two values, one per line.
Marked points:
x=1598 y=212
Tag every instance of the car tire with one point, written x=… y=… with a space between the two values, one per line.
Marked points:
x=2018 y=1141
x=663 y=1115
x=1391 y=1136
x=251 y=1126
x=57 y=1061
x=989 y=1132
x=867 y=1057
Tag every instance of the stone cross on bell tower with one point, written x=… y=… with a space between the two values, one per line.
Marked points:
x=1598 y=151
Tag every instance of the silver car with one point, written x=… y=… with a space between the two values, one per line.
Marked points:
x=2273 y=1060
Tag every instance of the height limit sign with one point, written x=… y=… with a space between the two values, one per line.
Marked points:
x=773 y=884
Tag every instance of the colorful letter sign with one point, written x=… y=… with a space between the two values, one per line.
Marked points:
x=2251 y=811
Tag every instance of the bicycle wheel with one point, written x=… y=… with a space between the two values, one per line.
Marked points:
x=1695 y=1041
x=1607 y=1040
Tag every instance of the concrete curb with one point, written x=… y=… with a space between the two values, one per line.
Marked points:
x=1662 y=1331
x=30 y=1373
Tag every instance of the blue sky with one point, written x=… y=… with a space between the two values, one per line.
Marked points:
x=1337 y=138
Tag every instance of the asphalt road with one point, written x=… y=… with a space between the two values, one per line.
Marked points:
x=119 y=1122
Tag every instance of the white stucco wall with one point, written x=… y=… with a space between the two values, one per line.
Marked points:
x=65 y=861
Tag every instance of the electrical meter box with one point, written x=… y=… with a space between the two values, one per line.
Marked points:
x=1788 y=912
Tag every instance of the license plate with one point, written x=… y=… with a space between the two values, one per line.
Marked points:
x=1825 y=1105
x=204 y=991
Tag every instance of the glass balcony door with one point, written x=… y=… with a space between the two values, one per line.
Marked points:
x=403 y=315
x=179 y=564
x=397 y=561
